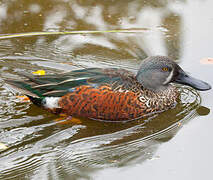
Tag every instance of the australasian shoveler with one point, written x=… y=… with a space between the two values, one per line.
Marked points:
x=109 y=94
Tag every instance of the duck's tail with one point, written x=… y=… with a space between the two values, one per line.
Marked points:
x=22 y=87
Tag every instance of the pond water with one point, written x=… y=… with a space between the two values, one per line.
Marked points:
x=175 y=144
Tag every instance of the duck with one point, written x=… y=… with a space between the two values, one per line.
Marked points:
x=109 y=94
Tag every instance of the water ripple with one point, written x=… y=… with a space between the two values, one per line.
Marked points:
x=40 y=147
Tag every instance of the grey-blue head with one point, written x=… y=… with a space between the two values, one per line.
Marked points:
x=156 y=72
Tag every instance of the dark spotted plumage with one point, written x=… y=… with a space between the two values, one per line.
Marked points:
x=110 y=94
x=107 y=103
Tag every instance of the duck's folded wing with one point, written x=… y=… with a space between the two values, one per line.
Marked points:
x=60 y=84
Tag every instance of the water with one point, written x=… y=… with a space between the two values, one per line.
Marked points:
x=173 y=145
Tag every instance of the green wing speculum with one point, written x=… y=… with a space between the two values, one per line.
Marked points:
x=60 y=84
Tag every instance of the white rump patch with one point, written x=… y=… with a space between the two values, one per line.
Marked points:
x=51 y=102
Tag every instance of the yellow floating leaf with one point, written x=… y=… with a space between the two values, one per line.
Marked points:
x=179 y=124
x=206 y=61
x=3 y=146
x=39 y=72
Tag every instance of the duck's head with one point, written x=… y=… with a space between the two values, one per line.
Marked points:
x=156 y=72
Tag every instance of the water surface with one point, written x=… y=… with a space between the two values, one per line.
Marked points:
x=172 y=145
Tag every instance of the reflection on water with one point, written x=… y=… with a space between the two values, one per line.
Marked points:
x=39 y=146
x=42 y=147
x=162 y=35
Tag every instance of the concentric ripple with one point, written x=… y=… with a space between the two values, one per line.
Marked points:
x=40 y=147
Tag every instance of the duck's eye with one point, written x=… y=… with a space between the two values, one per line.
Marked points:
x=165 y=69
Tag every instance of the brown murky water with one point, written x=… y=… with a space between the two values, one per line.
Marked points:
x=173 y=145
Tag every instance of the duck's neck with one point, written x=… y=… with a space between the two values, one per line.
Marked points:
x=161 y=91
